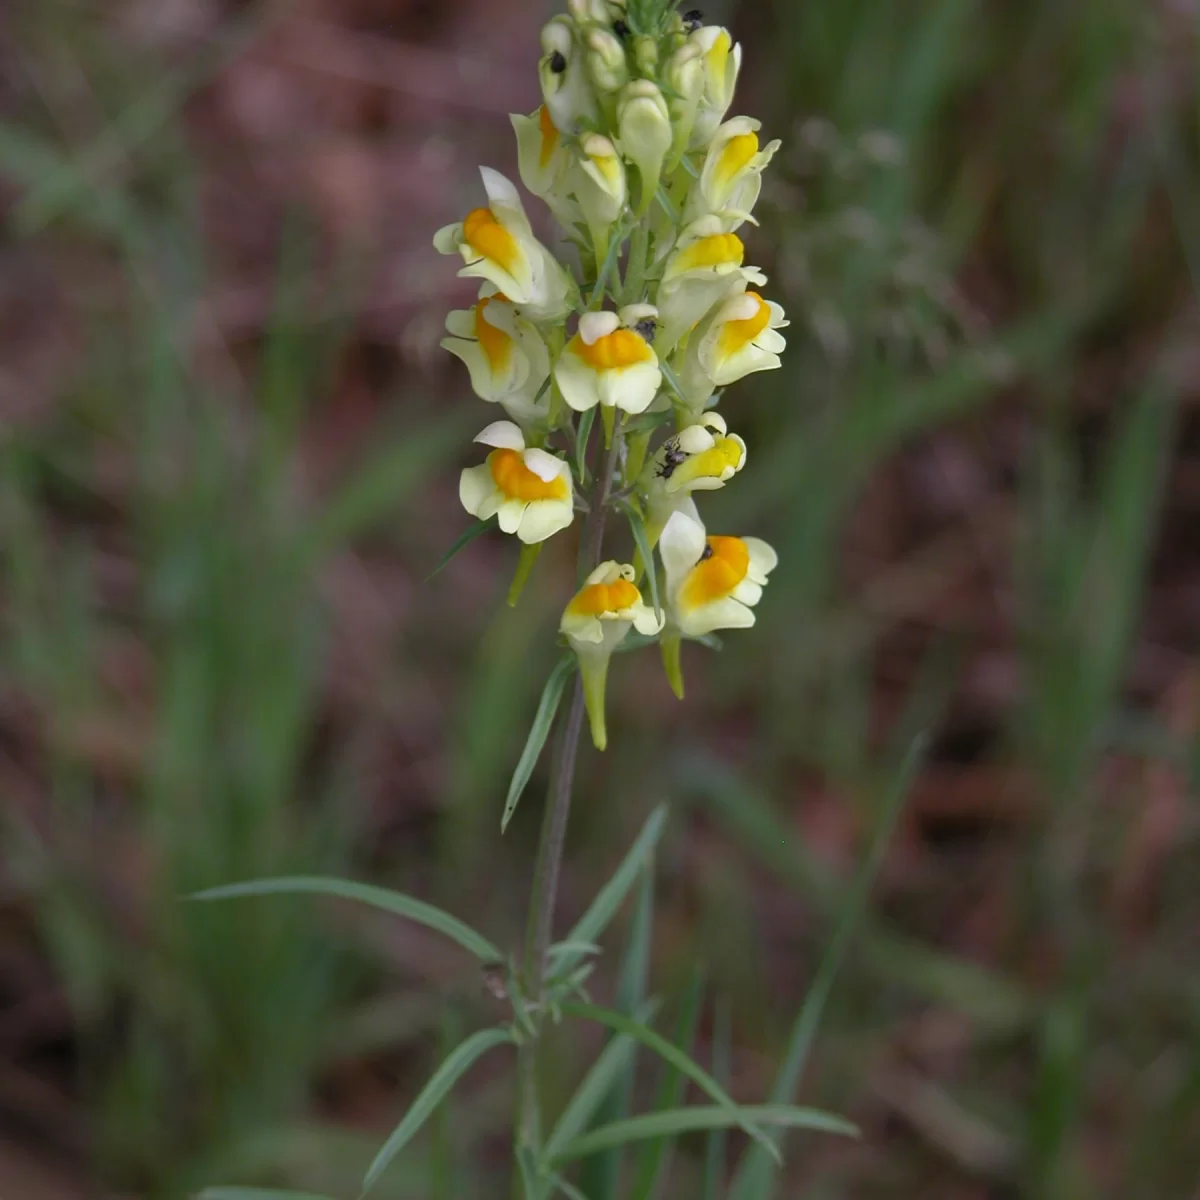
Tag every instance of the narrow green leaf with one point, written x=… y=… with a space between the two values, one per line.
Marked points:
x=642 y=542
x=754 y=1176
x=582 y=433
x=543 y=720
x=688 y=1120
x=568 y=1189
x=468 y=535
x=595 y=1085
x=532 y=1183
x=377 y=897
x=602 y=910
x=444 y=1078
x=240 y=1193
x=655 y=1159
x=722 y=1060
x=673 y=1055
x=573 y=948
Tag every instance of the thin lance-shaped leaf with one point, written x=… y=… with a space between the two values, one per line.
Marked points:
x=532 y=1183
x=677 y=1058
x=538 y=733
x=241 y=1193
x=638 y=529
x=655 y=1159
x=460 y=1060
x=568 y=1189
x=595 y=1085
x=468 y=535
x=607 y=267
x=377 y=897
x=754 y=1176
x=582 y=433
x=687 y=1120
x=602 y=910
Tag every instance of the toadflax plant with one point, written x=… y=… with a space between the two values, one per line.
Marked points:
x=647 y=315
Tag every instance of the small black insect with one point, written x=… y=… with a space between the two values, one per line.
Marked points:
x=672 y=456
x=647 y=327
x=621 y=29
x=708 y=552
x=558 y=64
x=693 y=19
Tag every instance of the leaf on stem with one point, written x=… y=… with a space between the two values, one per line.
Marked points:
x=687 y=1120
x=602 y=910
x=345 y=889
x=457 y=1063
x=677 y=1058
x=468 y=535
x=543 y=721
x=242 y=1193
x=638 y=529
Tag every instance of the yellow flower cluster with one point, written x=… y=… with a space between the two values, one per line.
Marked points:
x=647 y=313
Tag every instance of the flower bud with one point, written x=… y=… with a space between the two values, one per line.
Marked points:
x=606 y=60
x=645 y=56
x=644 y=122
x=565 y=85
x=684 y=77
x=600 y=188
x=722 y=60
x=589 y=11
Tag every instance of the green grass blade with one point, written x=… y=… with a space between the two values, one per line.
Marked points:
x=443 y=1079
x=722 y=1059
x=602 y=910
x=673 y=1055
x=655 y=1159
x=595 y=1085
x=539 y=731
x=754 y=1179
x=602 y=1173
x=468 y=535
x=638 y=529
x=376 y=489
x=377 y=897
x=688 y=1120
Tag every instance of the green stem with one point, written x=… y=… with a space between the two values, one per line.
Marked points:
x=539 y=926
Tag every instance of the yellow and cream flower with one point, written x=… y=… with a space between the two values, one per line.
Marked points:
x=595 y=622
x=528 y=490
x=497 y=244
x=741 y=337
x=610 y=362
x=544 y=162
x=504 y=353
x=705 y=266
x=566 y=88
x=700 y=458
x=712 y=582
x=598 y=181
x=731 y=177
x=722 y=60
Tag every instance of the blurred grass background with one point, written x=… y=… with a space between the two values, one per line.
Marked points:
x=228 y=456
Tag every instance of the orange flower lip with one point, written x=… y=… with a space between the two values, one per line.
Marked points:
x=489 y=239
x=621 y=348
x=518 y=482
x=737 y=334
x=599 y=598
x=725 y=564
x=495 y=343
